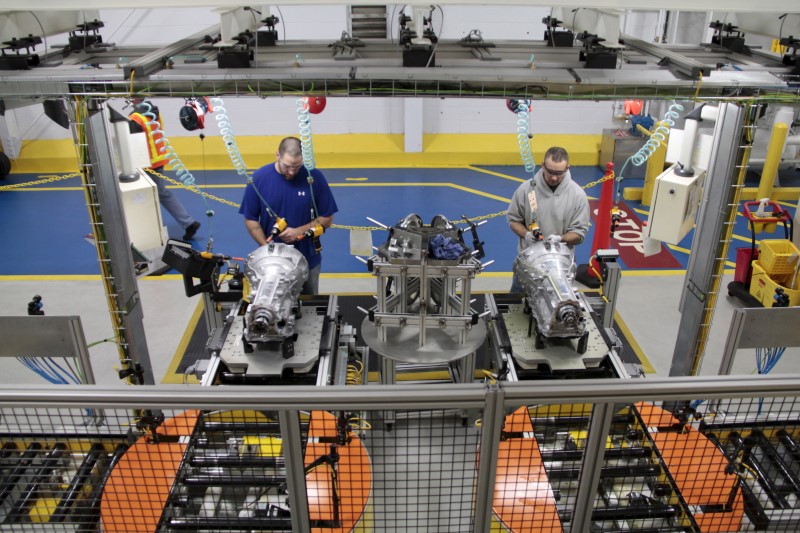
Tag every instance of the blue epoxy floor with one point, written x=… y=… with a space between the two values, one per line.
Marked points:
x=44 y=225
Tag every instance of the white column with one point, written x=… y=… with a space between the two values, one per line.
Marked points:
x=412 y=124
x=9 y=134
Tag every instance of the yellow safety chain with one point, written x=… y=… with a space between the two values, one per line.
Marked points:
x=335 y=226
x=601 y=180
x=193 y=189
x=51 y=179
x=41 y=181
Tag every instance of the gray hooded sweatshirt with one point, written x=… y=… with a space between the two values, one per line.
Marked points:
x=556 y=212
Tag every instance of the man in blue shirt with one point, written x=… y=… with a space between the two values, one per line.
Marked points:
x=285 y=192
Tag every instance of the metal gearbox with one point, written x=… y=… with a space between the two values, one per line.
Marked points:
x=276 y=273
x=546 y=270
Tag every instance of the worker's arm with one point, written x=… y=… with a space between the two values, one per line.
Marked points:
x=518 y=228
x=295 y=234
x=256 y=231
x=571 y=238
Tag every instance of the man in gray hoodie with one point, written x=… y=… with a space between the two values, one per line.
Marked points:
x=551 y=205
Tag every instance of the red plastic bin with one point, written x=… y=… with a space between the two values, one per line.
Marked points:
x=744 y=256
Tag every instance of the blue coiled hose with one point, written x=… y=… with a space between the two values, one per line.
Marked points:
x=235 y=155
x=165 y=148
x=224 y=125
x=656 y=139
x=304 y=121
x=522 y=136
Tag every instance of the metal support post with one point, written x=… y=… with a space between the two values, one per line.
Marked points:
x=81 y=350
x=121 y=284
x=610 y=290
x=295 y=469
x=466 y=368
x=491 y=426
x=593 y=455
x=213 y=318
x=706 y=261
x=759 y=328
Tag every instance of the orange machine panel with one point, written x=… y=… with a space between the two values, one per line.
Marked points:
x=354 y=476
x=523 y=499
x=698 y=468
x=655 y=417
x=139 y=485
x=518 y=422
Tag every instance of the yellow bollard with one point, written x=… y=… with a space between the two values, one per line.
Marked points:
x=655 y=166
x=776 y=142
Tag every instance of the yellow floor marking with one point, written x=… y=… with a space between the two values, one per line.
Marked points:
x=170 y=376
x=679 y=249
x=424 y=184
x=58 y=277
x=498 y=174
x=648 y=367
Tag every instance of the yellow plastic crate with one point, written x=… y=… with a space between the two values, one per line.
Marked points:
x=778 y=256
x=762 y=287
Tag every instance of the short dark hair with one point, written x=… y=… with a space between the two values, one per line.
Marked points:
x=556 y=154
x=291 y=146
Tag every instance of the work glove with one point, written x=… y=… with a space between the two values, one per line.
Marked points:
x=553 y=238
x=529 y=239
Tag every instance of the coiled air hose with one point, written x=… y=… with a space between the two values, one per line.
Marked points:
x=176 y=165
x=523 y=135
x=165 y=147
x=657 y=138
x=235 y=155
x=224 y=125
x=304 y=122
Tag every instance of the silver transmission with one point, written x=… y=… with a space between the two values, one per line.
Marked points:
x=546 y=271
x=276 y=273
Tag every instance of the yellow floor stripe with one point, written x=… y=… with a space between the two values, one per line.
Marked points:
x=170 y=376
x=344 y=275
x=58 y=277
x=648 y=367
x=679 y=249
x=422 y=184
x=498 y=174
x=653 y=273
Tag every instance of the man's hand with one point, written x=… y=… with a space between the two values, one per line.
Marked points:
x=530 y=238
x=553 y=238
x=290 y=235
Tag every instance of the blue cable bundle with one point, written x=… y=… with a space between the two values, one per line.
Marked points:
x=767 y=358
x=442 y=247
x=44 y=368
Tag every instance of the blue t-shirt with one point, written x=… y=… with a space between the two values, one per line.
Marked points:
x=291 y=200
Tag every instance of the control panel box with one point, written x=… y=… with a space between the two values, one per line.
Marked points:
x=674 y=206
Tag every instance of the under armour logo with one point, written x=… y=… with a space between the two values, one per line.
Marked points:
x=301 y=193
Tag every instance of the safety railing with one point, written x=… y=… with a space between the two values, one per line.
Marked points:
x=699 y=454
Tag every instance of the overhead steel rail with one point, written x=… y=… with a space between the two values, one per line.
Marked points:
x=688 y=66
x=518 y=69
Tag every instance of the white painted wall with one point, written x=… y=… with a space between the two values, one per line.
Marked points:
x=472 y=115
x=644 y=25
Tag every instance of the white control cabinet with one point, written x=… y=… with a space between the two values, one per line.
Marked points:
x=146 y=229
x=674 y=205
